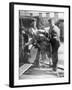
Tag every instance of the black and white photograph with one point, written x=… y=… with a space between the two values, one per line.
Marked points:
x=41 y=44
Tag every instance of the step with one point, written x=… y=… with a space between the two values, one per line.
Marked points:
x=24 y=68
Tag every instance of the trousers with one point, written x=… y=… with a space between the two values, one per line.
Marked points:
x=55 y=45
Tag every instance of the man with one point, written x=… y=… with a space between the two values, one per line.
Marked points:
x=54 y=33
x=25 y=49
x=45 y=45
x=32 y=43
x=39 y=41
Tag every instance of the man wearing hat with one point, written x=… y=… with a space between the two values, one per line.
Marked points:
x=32 y=43
x=54 y=33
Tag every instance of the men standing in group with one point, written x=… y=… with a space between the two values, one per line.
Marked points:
x=40 y=41
x=54 y=33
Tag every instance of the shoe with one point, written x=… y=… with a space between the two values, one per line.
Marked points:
x=51 y=66
x=54 y=69
x=36 y=65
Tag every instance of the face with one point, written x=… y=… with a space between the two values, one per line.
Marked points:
x=51 y=22
x=34 y=23
x=61 y=24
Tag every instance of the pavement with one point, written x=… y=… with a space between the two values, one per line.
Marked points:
x=41 y=72
x=29 y=71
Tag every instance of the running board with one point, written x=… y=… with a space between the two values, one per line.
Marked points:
x=24 y=68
